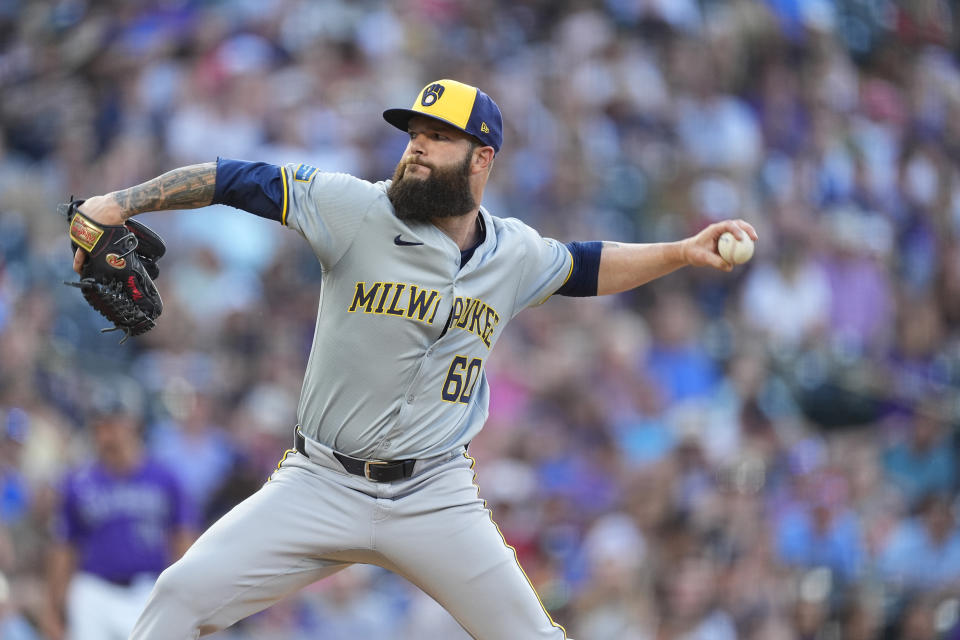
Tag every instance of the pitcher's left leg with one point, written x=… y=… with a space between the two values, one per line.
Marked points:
x=441 y=537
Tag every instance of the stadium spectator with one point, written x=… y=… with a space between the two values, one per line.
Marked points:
x=122 y=520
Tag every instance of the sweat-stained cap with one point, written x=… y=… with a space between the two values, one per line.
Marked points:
x=465 y=107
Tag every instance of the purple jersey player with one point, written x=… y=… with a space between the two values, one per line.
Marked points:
x=123 y=518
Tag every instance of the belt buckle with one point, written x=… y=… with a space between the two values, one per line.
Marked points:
x=366 y=468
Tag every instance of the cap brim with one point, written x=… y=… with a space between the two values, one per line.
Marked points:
x=400 y=118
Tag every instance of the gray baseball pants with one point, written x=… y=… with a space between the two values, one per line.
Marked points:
x=313 y=519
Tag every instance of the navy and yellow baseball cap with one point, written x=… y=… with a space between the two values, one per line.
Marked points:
x=465 y=107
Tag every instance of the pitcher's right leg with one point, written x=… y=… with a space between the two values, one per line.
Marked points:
x=268 y=546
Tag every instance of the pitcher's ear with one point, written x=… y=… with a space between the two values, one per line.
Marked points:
x=483 y=157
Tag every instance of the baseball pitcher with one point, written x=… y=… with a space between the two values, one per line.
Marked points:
x=419 y=282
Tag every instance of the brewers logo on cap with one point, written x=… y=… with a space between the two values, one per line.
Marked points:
x=458 y=104
x=431 y=94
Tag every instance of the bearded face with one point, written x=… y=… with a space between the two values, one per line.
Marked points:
x=444 y=193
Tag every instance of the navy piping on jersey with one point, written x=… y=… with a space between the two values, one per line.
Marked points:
x=466 y=254
x=586 y=270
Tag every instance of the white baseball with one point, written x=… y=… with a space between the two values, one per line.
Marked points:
x=735 y=251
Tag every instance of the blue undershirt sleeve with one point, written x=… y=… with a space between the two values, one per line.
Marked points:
x=586 y=270
x=256 y=187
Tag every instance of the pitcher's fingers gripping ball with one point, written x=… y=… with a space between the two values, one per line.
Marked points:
x=735 y=250
x=116 y=276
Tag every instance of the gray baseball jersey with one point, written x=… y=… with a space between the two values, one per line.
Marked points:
x=395 y=373
x=403 y=329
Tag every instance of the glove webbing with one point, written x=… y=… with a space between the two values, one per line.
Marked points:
x=98 y=295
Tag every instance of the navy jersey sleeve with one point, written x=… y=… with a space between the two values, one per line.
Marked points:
x=256 y=187
x=586 y=269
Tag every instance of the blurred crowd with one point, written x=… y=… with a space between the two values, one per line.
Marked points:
x=768 y=454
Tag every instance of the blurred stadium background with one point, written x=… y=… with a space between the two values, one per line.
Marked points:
x=768 y=454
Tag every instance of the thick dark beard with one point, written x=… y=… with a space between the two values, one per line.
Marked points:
x=444 y=193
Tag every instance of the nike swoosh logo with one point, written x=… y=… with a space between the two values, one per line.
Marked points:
x=404 y=243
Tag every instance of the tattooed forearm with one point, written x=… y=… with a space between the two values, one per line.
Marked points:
x=612 y=245
x=184 y=188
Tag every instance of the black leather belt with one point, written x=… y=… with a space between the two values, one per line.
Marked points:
x=375 y=470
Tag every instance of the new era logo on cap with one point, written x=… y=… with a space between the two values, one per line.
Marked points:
x=458 y=104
